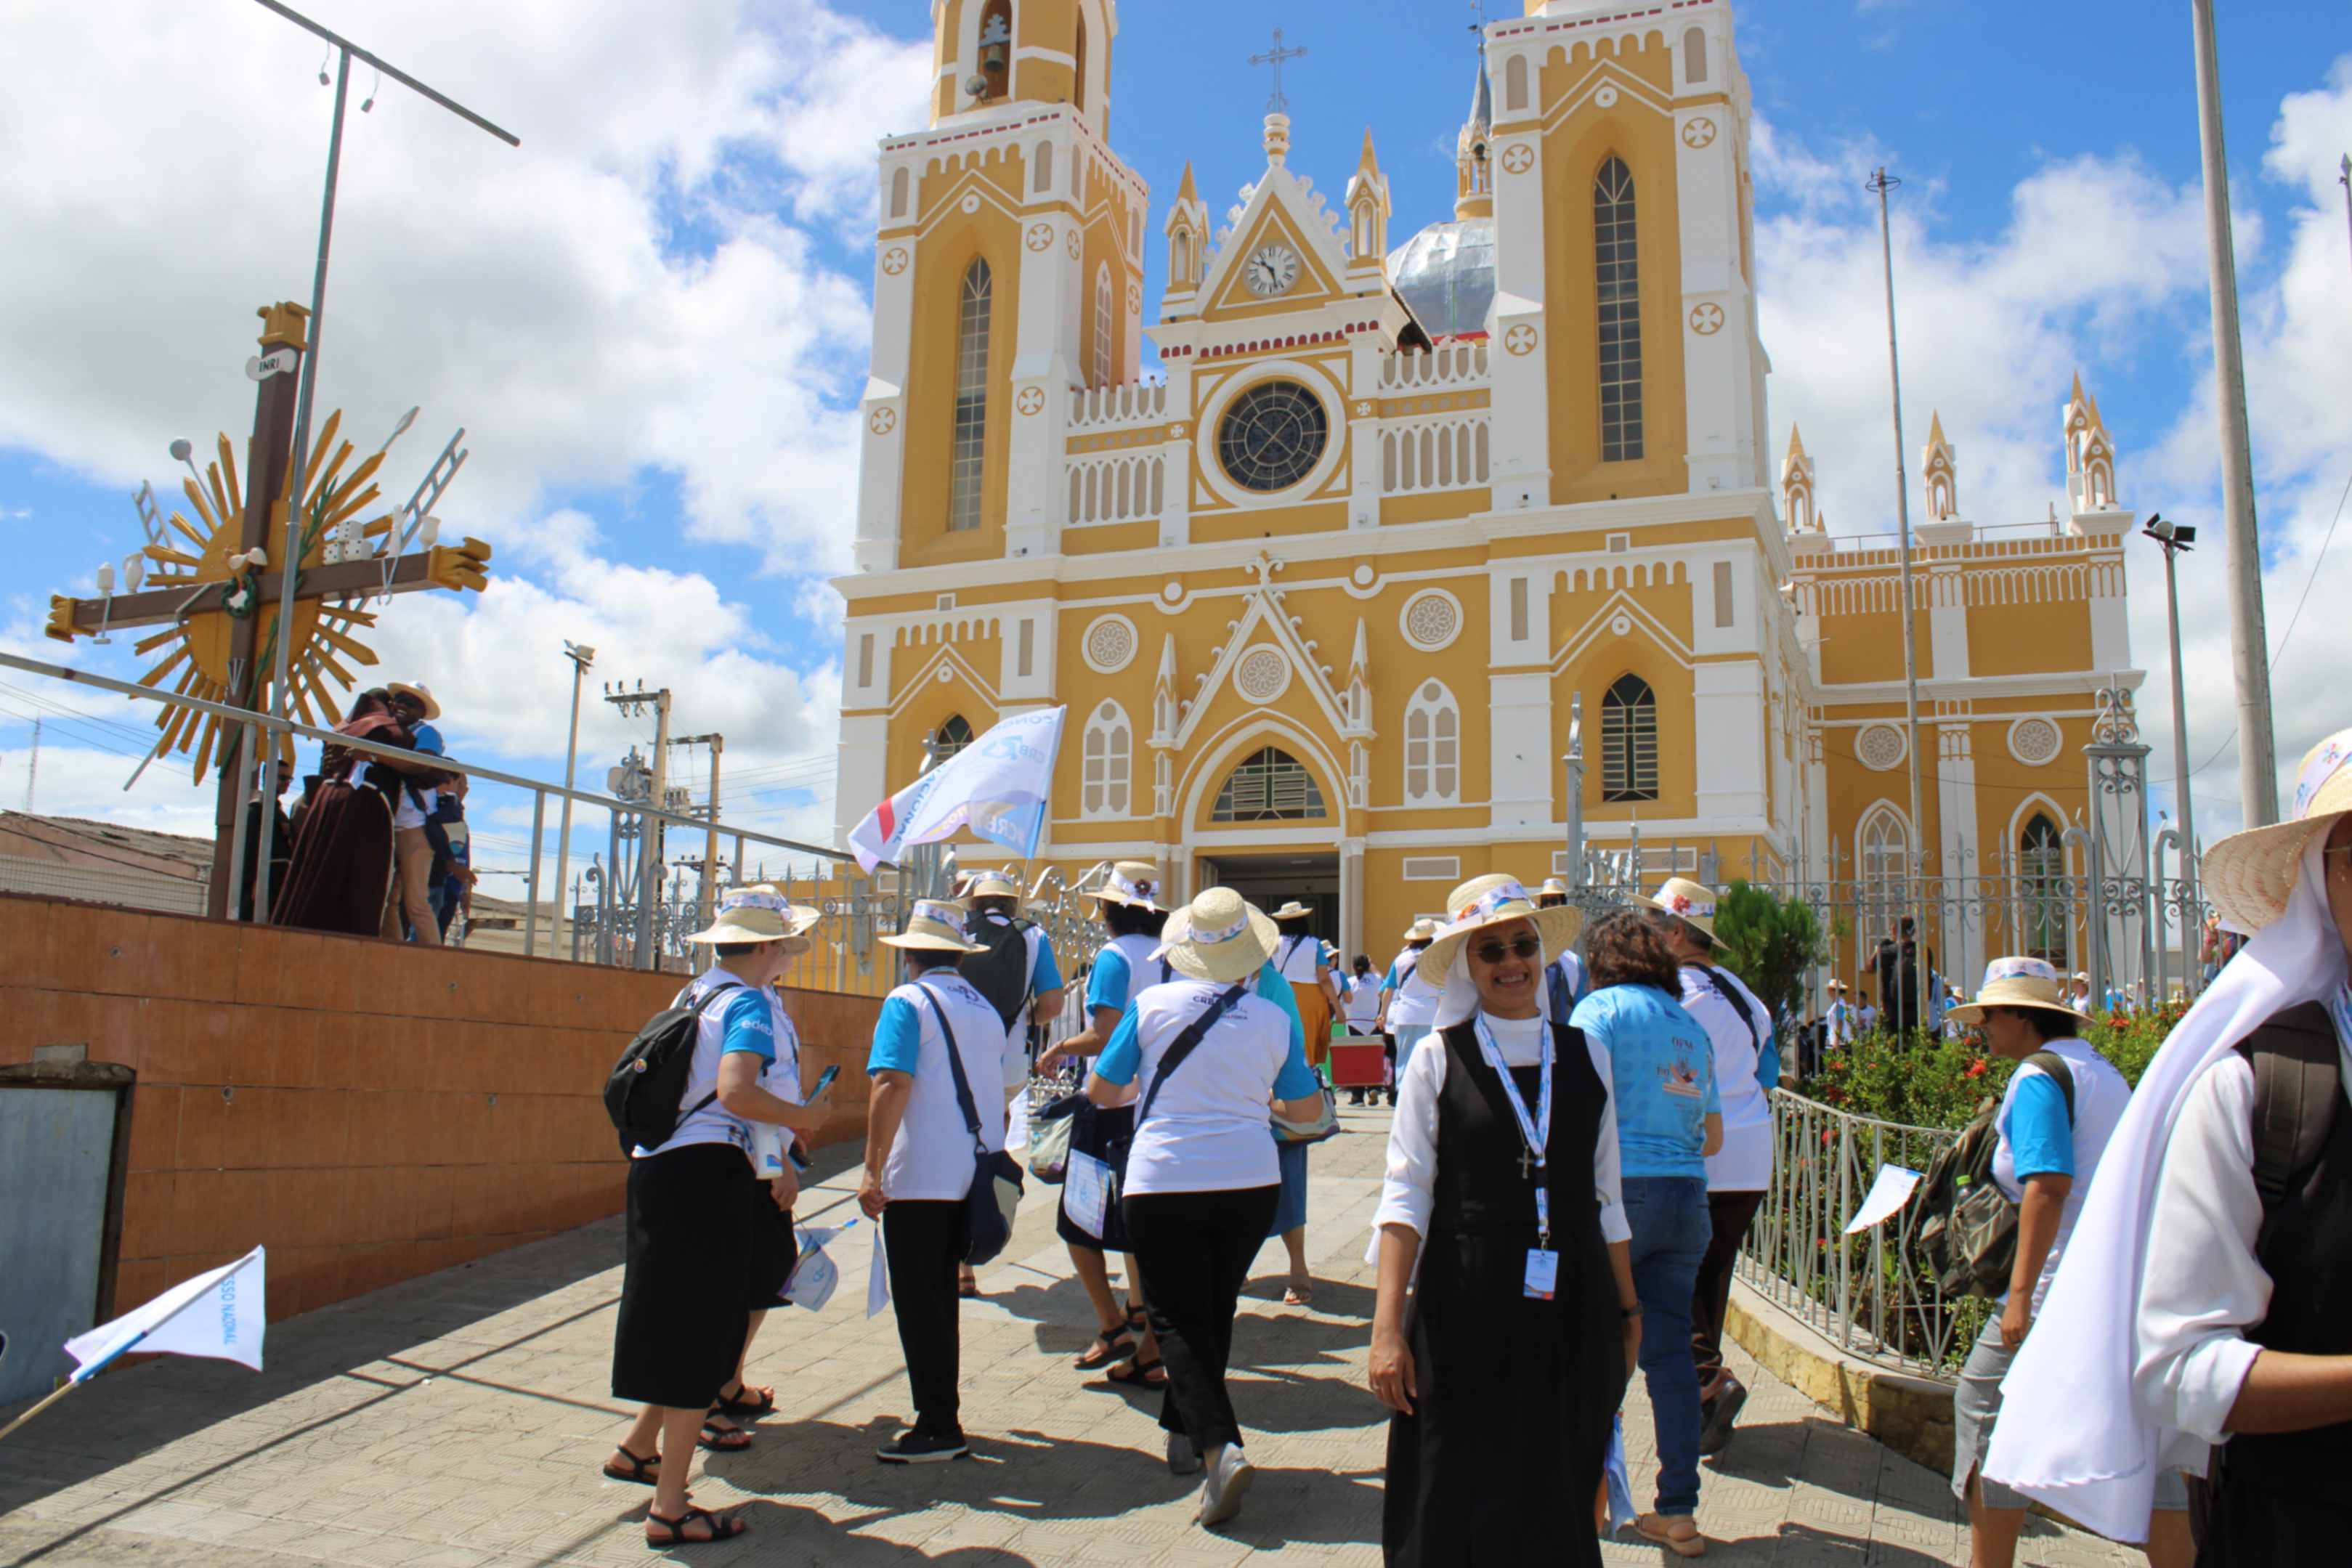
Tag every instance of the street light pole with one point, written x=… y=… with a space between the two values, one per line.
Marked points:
x=1575 y=812
x=2173 y=538
x=2249 y=639
x=580 y=657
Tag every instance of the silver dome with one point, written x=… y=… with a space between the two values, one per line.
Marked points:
x=1446 y=275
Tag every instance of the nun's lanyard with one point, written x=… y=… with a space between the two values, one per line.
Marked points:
x=1536 y=1132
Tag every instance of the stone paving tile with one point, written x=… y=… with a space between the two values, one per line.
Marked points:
x=457 y=1422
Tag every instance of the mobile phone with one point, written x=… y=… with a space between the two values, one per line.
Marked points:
x=825 y=1081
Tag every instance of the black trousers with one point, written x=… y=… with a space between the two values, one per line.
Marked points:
x=1711 y=1302
x=1193 y=1251
x=922 y=1242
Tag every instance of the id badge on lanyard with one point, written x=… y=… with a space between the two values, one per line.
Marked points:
x=1541 y=1283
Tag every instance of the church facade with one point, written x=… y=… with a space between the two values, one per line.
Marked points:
x=1403 y=507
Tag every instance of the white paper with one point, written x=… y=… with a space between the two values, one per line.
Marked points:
x=878 y=1277
x=1016 y=1123
x=1085 y=1193
x=1888 y=1193
x=216 y=1314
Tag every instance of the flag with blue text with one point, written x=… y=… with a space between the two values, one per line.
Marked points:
x=998 y=786
x=216 y=1314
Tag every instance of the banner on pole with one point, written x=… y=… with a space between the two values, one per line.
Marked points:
x=998 y=786
x=218 y=1314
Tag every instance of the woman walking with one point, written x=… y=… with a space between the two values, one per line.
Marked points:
x=1123 y=1350
x=1298 y=955
x=1408 y=1003
x=700 y=1254
x=1201 y=1176
x=1505 y=1366
x=1669 y=1120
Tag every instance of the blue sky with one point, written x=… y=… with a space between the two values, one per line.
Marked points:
x=651 y=318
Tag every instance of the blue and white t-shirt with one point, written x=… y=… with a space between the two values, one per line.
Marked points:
x=2036 y=1140
x=1413 y=1004
x=1662 y=1075
x=1207 y=1130
x=931 y=1158
x=751 y=1020
x=1124 y=967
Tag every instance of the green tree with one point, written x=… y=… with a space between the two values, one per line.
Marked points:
x=1770 y=944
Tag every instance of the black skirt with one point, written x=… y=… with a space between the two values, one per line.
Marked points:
x=691 y=1251
x=1105 y=1134
x=774 y=1249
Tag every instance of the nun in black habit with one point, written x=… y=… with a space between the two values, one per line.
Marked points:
x=1507 y=1359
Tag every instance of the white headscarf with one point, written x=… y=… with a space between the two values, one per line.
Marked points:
x=1459 y=1000
x=2072 y=1433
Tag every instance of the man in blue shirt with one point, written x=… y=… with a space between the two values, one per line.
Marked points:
x=412 y=851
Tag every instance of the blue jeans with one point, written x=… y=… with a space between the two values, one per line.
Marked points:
x=1671 y=1230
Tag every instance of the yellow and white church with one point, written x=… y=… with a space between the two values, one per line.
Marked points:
x=1325 y=595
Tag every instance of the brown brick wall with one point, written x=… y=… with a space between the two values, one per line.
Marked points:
x=369 y=1111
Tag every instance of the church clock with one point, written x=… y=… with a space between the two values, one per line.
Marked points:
x=1272 y=271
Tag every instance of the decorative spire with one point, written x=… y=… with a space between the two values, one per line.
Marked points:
x=1475 y=184
x=1797 y=487
x=1367 y=206
x=1939 y=470
x=1187 y=192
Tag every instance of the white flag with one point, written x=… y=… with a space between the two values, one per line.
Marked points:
x=218 y=1314
x=878 y=1278
x=998 y=786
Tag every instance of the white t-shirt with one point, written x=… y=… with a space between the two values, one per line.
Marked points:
x=931 y=1158
x=1744 y=1164
x=1415 y=1003
x=1363 y=1001
x=780 y=1076
x=1211 y=1128
x=2101 y=1097
x=1297 y=956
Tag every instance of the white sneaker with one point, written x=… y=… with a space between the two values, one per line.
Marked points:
x=1230 y=1476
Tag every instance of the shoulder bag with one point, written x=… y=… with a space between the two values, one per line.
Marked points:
x=995 y=1189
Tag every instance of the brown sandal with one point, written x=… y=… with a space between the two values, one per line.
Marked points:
x=1108 y=1350
x=1139 y=1374
x=726 y=1528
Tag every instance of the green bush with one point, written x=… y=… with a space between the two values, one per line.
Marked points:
x=1771 y=945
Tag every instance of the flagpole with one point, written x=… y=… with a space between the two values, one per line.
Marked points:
x=55 y=1395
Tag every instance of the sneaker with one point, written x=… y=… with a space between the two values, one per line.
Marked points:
x=913 y=1448
x=1183 y=1458
x=1230 y=1476
x=1717 y=1414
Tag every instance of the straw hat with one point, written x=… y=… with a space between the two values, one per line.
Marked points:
x=756 y=913
x=1484 y=900
x=935 y=926
x=1421 y=930
x=2017 y=983
x=2248 y=876
x=1005 y=884
x=1686 y=901
x=1837 y=984
x=1218 y=936
x=1135 y=884
x=420 y=690
x=1294 y=910
x=1553 y=887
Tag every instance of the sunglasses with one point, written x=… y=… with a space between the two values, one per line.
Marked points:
x=1494 y=953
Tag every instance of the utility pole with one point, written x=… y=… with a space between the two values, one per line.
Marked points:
x=33 y=767
x=2249 y=637
x=2344 y=178
x=582 y=656
x=1575 y=812
x=649 y=860
x=1881 y=182
x=708 y=906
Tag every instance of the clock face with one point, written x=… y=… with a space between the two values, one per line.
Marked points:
x=1272 y=270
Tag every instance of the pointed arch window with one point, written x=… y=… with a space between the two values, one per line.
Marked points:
x=1629 y=740
x=1616 y=267
x=1270 y=787
x=1109 y=754
x=1102 y=324
x=1884 y=847
x=950 y=737
x=967 y=457
x=2042 y=904
x=1432 y=748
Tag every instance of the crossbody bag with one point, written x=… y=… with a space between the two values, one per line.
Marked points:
x=995 y=1191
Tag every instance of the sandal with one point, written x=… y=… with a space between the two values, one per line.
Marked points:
x=720 y=1440
x=720 y=1529
x=1299 y=1295
x=1138 y=1374
x=742 y=1406
x=1138 y=1320
x=628 y=1467
x=1108 y=1350
x=1659 y=1529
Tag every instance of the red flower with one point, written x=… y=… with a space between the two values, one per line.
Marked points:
x=1976 y=1068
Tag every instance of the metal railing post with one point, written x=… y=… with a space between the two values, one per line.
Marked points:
x=531 y=895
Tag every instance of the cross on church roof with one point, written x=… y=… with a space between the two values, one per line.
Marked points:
x=1275 y=56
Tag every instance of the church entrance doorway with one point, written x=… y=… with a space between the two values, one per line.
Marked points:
x=1271 y=880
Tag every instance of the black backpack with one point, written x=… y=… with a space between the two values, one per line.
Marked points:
x=642 y=1091
x=1001 y=971
x=1967 y=1237
x=2296 y=1068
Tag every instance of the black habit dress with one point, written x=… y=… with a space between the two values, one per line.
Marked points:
x=1501 y=1460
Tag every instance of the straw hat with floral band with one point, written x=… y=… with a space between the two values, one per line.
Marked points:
x=1422 y=930
x=935 y=926
x=2249 y=876
x=757 y=914
x=1487 y=901
x=1135 y=884
x=1219 y=936
x=419 y=692
x=1686 y=901
x=2017 y=982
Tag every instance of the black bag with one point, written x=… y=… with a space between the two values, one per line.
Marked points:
x=1000 y=971
x=642 y=1091
x=1182 y=1047
x=2296 y=1060
x=1968 y=1230
x=995 y=1190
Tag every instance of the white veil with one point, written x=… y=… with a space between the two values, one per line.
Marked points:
x=1459 y=1000
x=2072 y=1433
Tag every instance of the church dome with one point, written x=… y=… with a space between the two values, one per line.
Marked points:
x=1446 y=275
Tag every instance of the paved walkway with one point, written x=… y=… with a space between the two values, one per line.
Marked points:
x=458 y=1420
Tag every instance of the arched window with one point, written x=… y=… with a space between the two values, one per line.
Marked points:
x=2041 y=899
x=1884 y=859
x=1629 y=740
x=1180 y=266
x=996 y=49
x=899 y=185
x=950 y=737
x=1270 y=787
x=1432 y=748
x=1695 y=55
x=1108 y=761
x=967 y=454
x=1515 y=82
x=1043 y=170
x=1617 y=282
x=1079 y=76
x=1102 y=324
